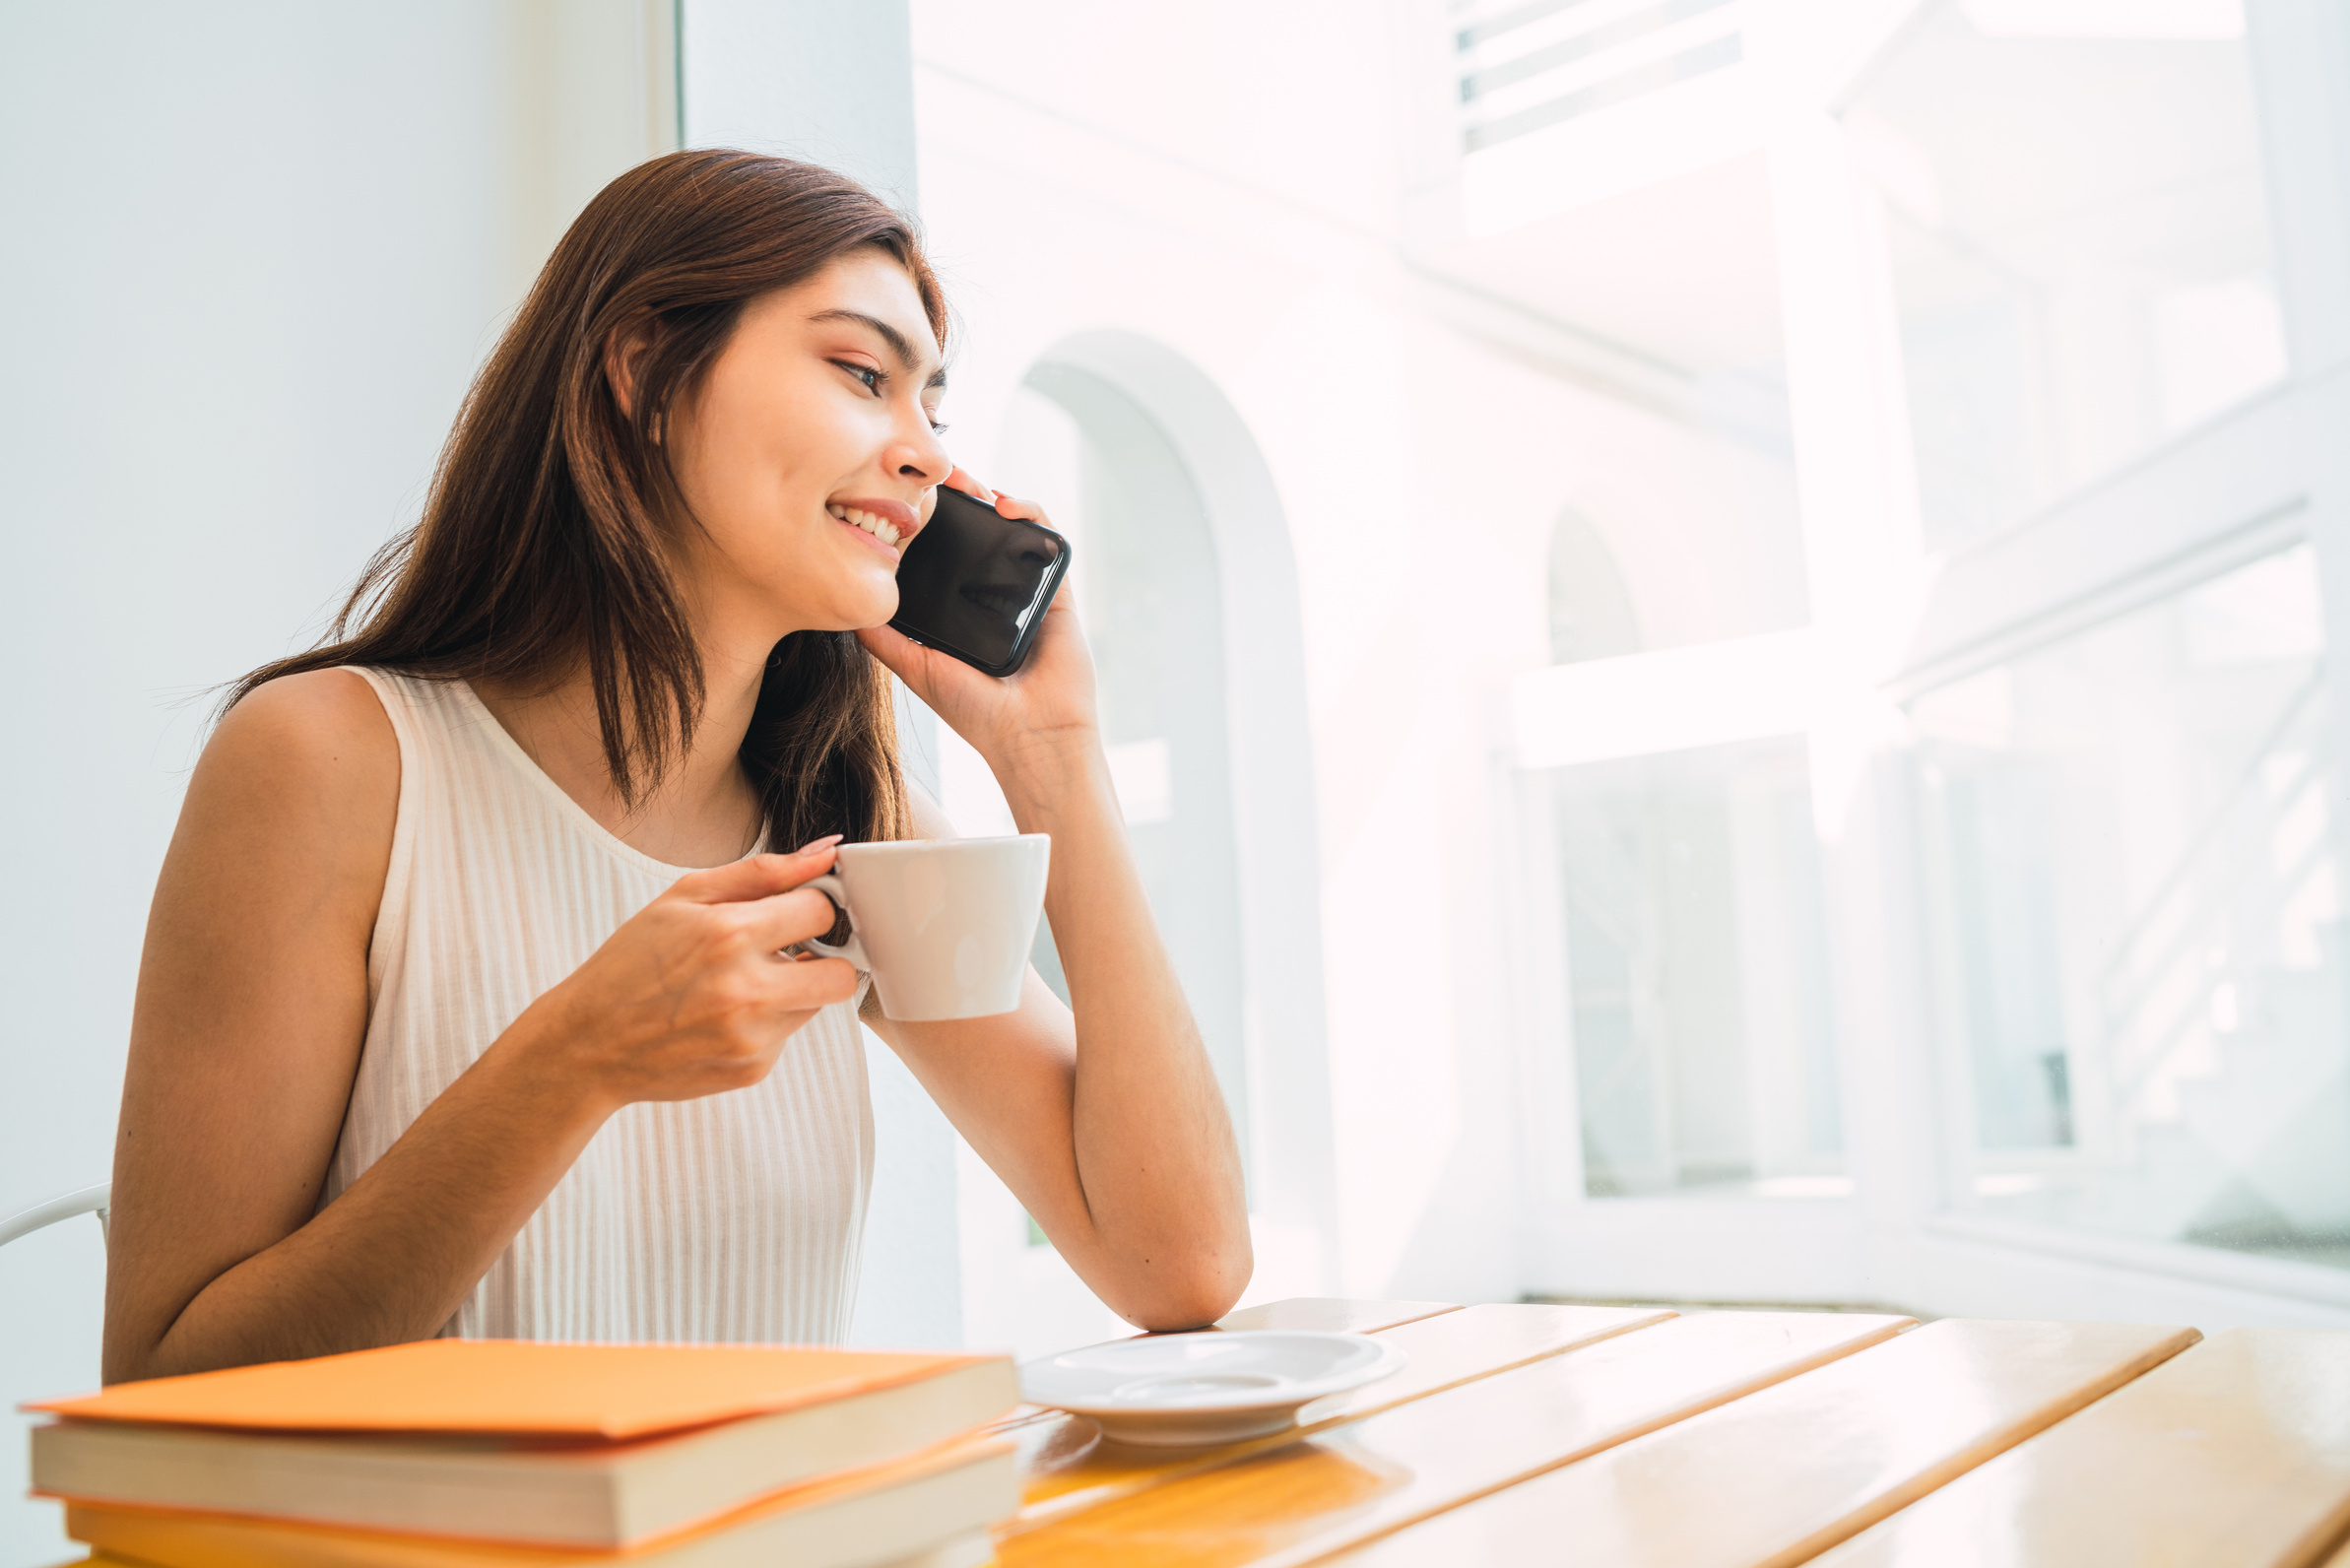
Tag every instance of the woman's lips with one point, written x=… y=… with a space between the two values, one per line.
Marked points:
x=886 y=522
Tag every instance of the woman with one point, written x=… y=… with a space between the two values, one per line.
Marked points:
x=438 y=1032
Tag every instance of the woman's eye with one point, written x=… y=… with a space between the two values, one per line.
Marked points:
x=862 y=373
x=938 y=427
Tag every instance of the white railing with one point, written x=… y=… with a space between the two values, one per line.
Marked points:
x=2187 y=965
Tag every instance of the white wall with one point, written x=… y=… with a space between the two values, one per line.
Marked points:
x=254 y=253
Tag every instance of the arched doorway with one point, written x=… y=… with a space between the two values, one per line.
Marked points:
x=1591 y=608
x=1188 y=588
x=1148 y=588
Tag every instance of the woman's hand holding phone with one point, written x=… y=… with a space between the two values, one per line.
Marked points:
x=1041 y=709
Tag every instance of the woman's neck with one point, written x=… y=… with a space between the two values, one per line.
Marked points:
x=706 y=811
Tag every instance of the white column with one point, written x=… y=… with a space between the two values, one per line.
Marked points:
x=2301 y=65
x=819 y=80
x=1862 y=544
x=834 y=83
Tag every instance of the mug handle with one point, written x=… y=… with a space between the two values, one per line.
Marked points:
x=851 y=949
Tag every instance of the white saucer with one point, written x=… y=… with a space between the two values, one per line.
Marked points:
x=1178 y=1390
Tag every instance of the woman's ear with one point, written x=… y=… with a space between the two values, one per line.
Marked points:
x=624 y=360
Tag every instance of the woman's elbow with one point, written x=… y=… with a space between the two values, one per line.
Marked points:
x=1194 y=1293
x=130 y=1353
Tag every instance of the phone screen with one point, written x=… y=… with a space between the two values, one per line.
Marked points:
x=975 y=583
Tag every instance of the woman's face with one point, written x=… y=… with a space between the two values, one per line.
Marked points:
x=810 y=454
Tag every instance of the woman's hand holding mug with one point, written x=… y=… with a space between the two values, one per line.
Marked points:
x=694 y=995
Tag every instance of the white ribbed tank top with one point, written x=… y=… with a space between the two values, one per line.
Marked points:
x=734 y=1218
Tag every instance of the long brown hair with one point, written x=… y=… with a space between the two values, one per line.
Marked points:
x=543 y=539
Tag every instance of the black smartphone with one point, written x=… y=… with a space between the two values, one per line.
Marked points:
x=975 y=583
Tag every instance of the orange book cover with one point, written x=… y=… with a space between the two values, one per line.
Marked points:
x=950 y=1488
x=512 y=1388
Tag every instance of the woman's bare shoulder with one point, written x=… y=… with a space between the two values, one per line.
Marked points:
x=334 y=706
x=327 y=719
x=308 y=760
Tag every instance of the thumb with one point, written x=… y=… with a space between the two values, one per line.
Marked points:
x=920 y=668
x=757 y=876
x=901 y=654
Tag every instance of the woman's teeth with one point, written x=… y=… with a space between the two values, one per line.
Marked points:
x=885 y=531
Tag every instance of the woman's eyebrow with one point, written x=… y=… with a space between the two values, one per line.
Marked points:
x=899 y=344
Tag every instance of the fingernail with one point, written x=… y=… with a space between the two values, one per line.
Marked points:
x=815 y=844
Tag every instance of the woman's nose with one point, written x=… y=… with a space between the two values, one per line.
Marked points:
x=917 y=455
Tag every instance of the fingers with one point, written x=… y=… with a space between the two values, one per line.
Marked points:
x=791 y=994
x=757 y=876
x=772 y=924
x=1005 y=504
x=899 y=654
x=963 y=481
x=1011 y=507
x=786 y=993
x=814 y=983
x=921 y=669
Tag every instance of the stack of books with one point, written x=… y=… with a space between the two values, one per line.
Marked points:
x=469 y=1454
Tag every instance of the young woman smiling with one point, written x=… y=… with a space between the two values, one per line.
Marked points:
x=438 y=1032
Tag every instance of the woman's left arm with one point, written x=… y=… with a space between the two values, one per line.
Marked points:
x=1106 y=1124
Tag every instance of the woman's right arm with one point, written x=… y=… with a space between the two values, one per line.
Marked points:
x=246 y=1037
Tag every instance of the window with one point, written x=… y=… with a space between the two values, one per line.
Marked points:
x=1696 y=946
x=2079 y=239
x=1144 y=571
x=2132 y=863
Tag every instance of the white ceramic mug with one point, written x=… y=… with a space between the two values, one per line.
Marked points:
x=944 y=926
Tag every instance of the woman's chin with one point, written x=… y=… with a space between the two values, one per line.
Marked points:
x=880 y=607
x=858 y=611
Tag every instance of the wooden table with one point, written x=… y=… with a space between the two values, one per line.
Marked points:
x=1632 y=1436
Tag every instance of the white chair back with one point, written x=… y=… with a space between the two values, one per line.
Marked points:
x=80 y=1200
